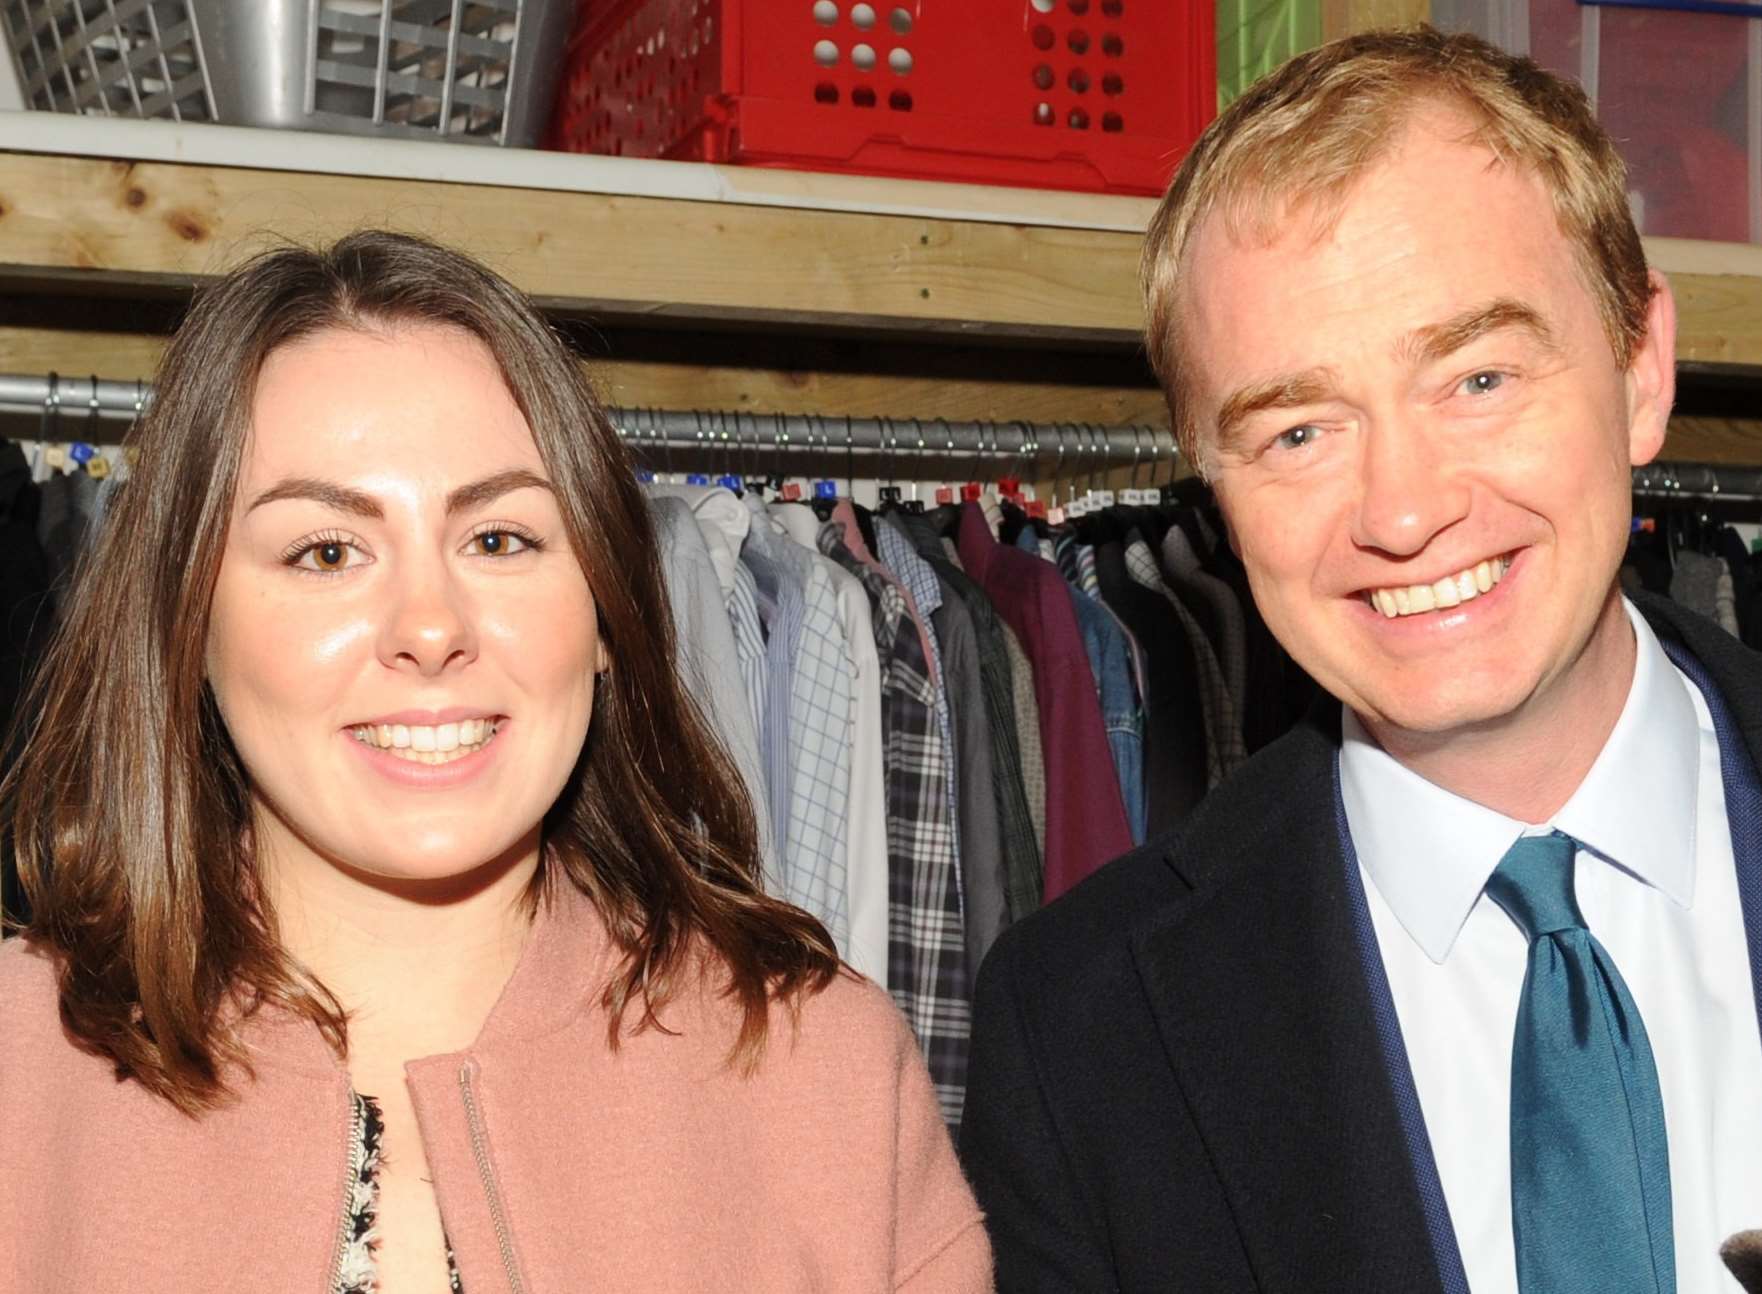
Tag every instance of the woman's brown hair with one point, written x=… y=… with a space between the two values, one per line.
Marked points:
x=129 y=807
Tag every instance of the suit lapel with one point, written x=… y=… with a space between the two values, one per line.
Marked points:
x=1729 y=677
x=1261 y=999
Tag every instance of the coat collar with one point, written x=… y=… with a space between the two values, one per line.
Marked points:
x=563 y=971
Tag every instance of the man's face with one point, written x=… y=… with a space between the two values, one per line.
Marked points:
x=1420 y=436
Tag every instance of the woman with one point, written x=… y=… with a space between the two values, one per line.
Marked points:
x=396 y=919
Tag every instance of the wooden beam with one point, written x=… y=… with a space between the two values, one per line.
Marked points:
x=1344 y=17
x=735 y=387
x=82 y=221
x=1714 y=440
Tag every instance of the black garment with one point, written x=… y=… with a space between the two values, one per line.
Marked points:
x=1744 y=586
x=1023 y=867
x=1176 y=1080
x=1174 y=716
x=26 y=615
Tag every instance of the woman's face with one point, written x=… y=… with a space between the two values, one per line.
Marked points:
x=402 y=644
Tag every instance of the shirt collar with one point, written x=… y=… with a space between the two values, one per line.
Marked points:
x=1429 y=851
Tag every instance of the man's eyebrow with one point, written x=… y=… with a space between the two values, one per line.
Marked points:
x=1286 y=391
x=338 y=498
x=1441 y=340
x=491 y=488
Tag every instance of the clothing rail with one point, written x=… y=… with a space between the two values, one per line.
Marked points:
x=1702 y=482
x=761 y=441
x=758 y=439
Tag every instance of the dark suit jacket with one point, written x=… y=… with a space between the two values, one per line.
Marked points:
x=1177 y=1079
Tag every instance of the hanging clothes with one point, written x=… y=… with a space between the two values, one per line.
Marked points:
x=866 y=819
x=927 y=953
x=984 y=905
x=1018 y=846
x=812 y=740
x=29 y=615
x=1110 y=652
x=705 y=652
x=1085 y=813
x=1216 y=606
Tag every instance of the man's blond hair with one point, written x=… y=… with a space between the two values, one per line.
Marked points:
x=1301 y=136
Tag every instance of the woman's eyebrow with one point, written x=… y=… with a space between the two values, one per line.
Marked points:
x=341 y=498
x=491 y=488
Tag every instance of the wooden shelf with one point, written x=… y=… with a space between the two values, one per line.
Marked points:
x=789 y=293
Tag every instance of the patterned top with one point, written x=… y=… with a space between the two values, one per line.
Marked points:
x=357 y=1270
x=927 y=943
x=808 y=735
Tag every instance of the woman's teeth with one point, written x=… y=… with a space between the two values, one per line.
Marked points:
x=426 y=744
x=1452 y=590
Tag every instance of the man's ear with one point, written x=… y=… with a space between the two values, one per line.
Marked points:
x=1651 y=376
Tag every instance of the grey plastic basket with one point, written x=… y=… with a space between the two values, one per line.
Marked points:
x=474 y=70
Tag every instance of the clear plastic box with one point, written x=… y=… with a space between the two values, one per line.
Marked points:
x=1680 y=91
x=477 y=70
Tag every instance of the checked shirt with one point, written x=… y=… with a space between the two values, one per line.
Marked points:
x=809 y=733
x=926 y=946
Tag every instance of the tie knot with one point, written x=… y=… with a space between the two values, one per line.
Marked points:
x=1533 y=883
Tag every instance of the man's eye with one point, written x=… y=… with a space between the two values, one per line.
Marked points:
x=1296 y=437
x=1482 y=383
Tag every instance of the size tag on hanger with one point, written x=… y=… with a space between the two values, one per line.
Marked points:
x=971 y=491
x=944 y=494
x=791 y=492
x=1056 y=517
x=55 y=456
x=1036 y=508
x=98 y=468
x=696 y=478
x=825 y=489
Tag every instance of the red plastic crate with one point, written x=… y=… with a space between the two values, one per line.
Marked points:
x=1098 y=95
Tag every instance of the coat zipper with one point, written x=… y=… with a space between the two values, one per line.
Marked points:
x=480 y=1152
x=353 y=1175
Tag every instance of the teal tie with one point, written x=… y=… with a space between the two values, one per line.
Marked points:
x=1590 y=1170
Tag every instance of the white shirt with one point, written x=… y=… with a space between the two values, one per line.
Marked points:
x=866 y=823
x=1658 y=888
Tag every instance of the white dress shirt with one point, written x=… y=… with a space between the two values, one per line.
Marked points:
x=866 y=826
x=1657 y=886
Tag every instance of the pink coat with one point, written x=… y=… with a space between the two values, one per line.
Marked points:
x=560 y=1166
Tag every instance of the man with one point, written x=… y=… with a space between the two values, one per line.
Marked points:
x=1452 y=987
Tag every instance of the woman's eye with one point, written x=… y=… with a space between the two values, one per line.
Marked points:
x=329 y=556
x=499 y=543
x=1482 y=383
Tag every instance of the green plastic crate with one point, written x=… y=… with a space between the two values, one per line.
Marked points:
x=1255 y=36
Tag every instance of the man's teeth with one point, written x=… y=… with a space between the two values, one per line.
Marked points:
x=1451 y=591
x=425 y=744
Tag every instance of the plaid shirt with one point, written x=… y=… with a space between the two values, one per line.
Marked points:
x=927 y=948
x=897 y=554
x=1023 y=870
x=810 y=666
